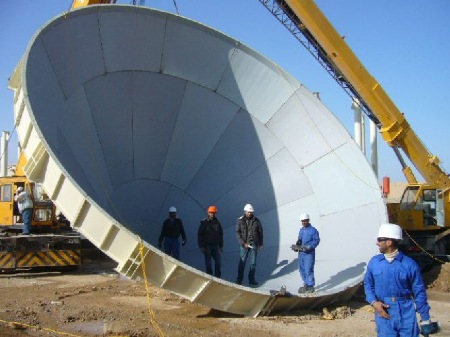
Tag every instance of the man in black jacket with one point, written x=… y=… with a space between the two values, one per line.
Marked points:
x=171 y=230
x=249 y=233
x=210 y=241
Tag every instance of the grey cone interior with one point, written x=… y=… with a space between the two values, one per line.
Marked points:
x=143 y=110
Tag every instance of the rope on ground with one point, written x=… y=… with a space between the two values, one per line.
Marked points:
x=147 y=291
x=423 y=250
x=17 y=325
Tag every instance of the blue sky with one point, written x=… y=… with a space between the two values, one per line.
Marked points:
x=404 y=44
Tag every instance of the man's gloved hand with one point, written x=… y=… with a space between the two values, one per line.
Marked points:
x=297 y=248
x=183 y=242
x=428 y=328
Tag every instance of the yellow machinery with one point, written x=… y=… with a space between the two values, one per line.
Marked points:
x=82 y=3
x=52 y=243
x=424 y=210
x=43 y=219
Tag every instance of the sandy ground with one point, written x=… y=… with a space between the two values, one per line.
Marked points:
x=95 y=301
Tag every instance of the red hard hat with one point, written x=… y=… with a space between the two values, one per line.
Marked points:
x=212 y=209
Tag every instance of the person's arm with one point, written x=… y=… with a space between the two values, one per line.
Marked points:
x=200 y=236
x=299 y=239
x=419 y=292
x=369 y=285
x=261 y=234
x=220 y=236
x=369 y=289
x=183 y=233
x=20 y=197
x=315 y=239
x=239 y=233
x=163 y=233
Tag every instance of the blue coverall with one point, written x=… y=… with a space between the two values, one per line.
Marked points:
x=398 y=284
x=308 y=237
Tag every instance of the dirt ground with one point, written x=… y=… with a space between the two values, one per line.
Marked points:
x=96 y=301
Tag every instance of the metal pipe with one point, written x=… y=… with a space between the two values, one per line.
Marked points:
x=4 y=154
x=358 y=126
x=374 y=147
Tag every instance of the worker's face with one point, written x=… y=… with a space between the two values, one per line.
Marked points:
x=384 y=245
x=305 y=222
x=172 y=215
x=211 y=215
x=248 y=214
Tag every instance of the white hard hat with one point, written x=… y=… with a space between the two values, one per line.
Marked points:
x=304 y=216
x=248 y=208
x=172 y=209
x=390 y=231
x=20 y=189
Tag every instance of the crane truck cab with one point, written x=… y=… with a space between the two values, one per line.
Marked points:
x=44 y=217
x=421 y=213
x=421 y=208
x=53 y=243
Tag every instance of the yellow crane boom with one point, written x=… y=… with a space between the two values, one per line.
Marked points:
x=394 y=128
x=82 y=3
x=425 y=207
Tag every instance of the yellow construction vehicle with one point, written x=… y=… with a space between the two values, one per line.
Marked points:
x=52 y=242
x=82 y=3
x=424 y=209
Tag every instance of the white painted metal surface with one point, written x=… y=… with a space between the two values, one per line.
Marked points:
x=4 y=153
x=124 y=111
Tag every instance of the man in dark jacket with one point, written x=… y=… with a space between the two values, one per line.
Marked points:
x=249 y=233
x=210 y=241
x=171 y=230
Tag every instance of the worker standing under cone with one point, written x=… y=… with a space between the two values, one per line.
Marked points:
x=171 y=231
x=307 y=242
x=249 y=233
x=210 y=241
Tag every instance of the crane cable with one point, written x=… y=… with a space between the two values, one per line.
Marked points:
x=423 y=249
x=176 y=7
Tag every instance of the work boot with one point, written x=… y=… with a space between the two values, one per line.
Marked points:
x=253 y=283
x=238 y=282
x=302 y=290
x=309 y=289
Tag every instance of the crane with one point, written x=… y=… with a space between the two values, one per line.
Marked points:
x=424 y=210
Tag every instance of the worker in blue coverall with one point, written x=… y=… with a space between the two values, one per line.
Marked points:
x=308 y=240
x=395 y=289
